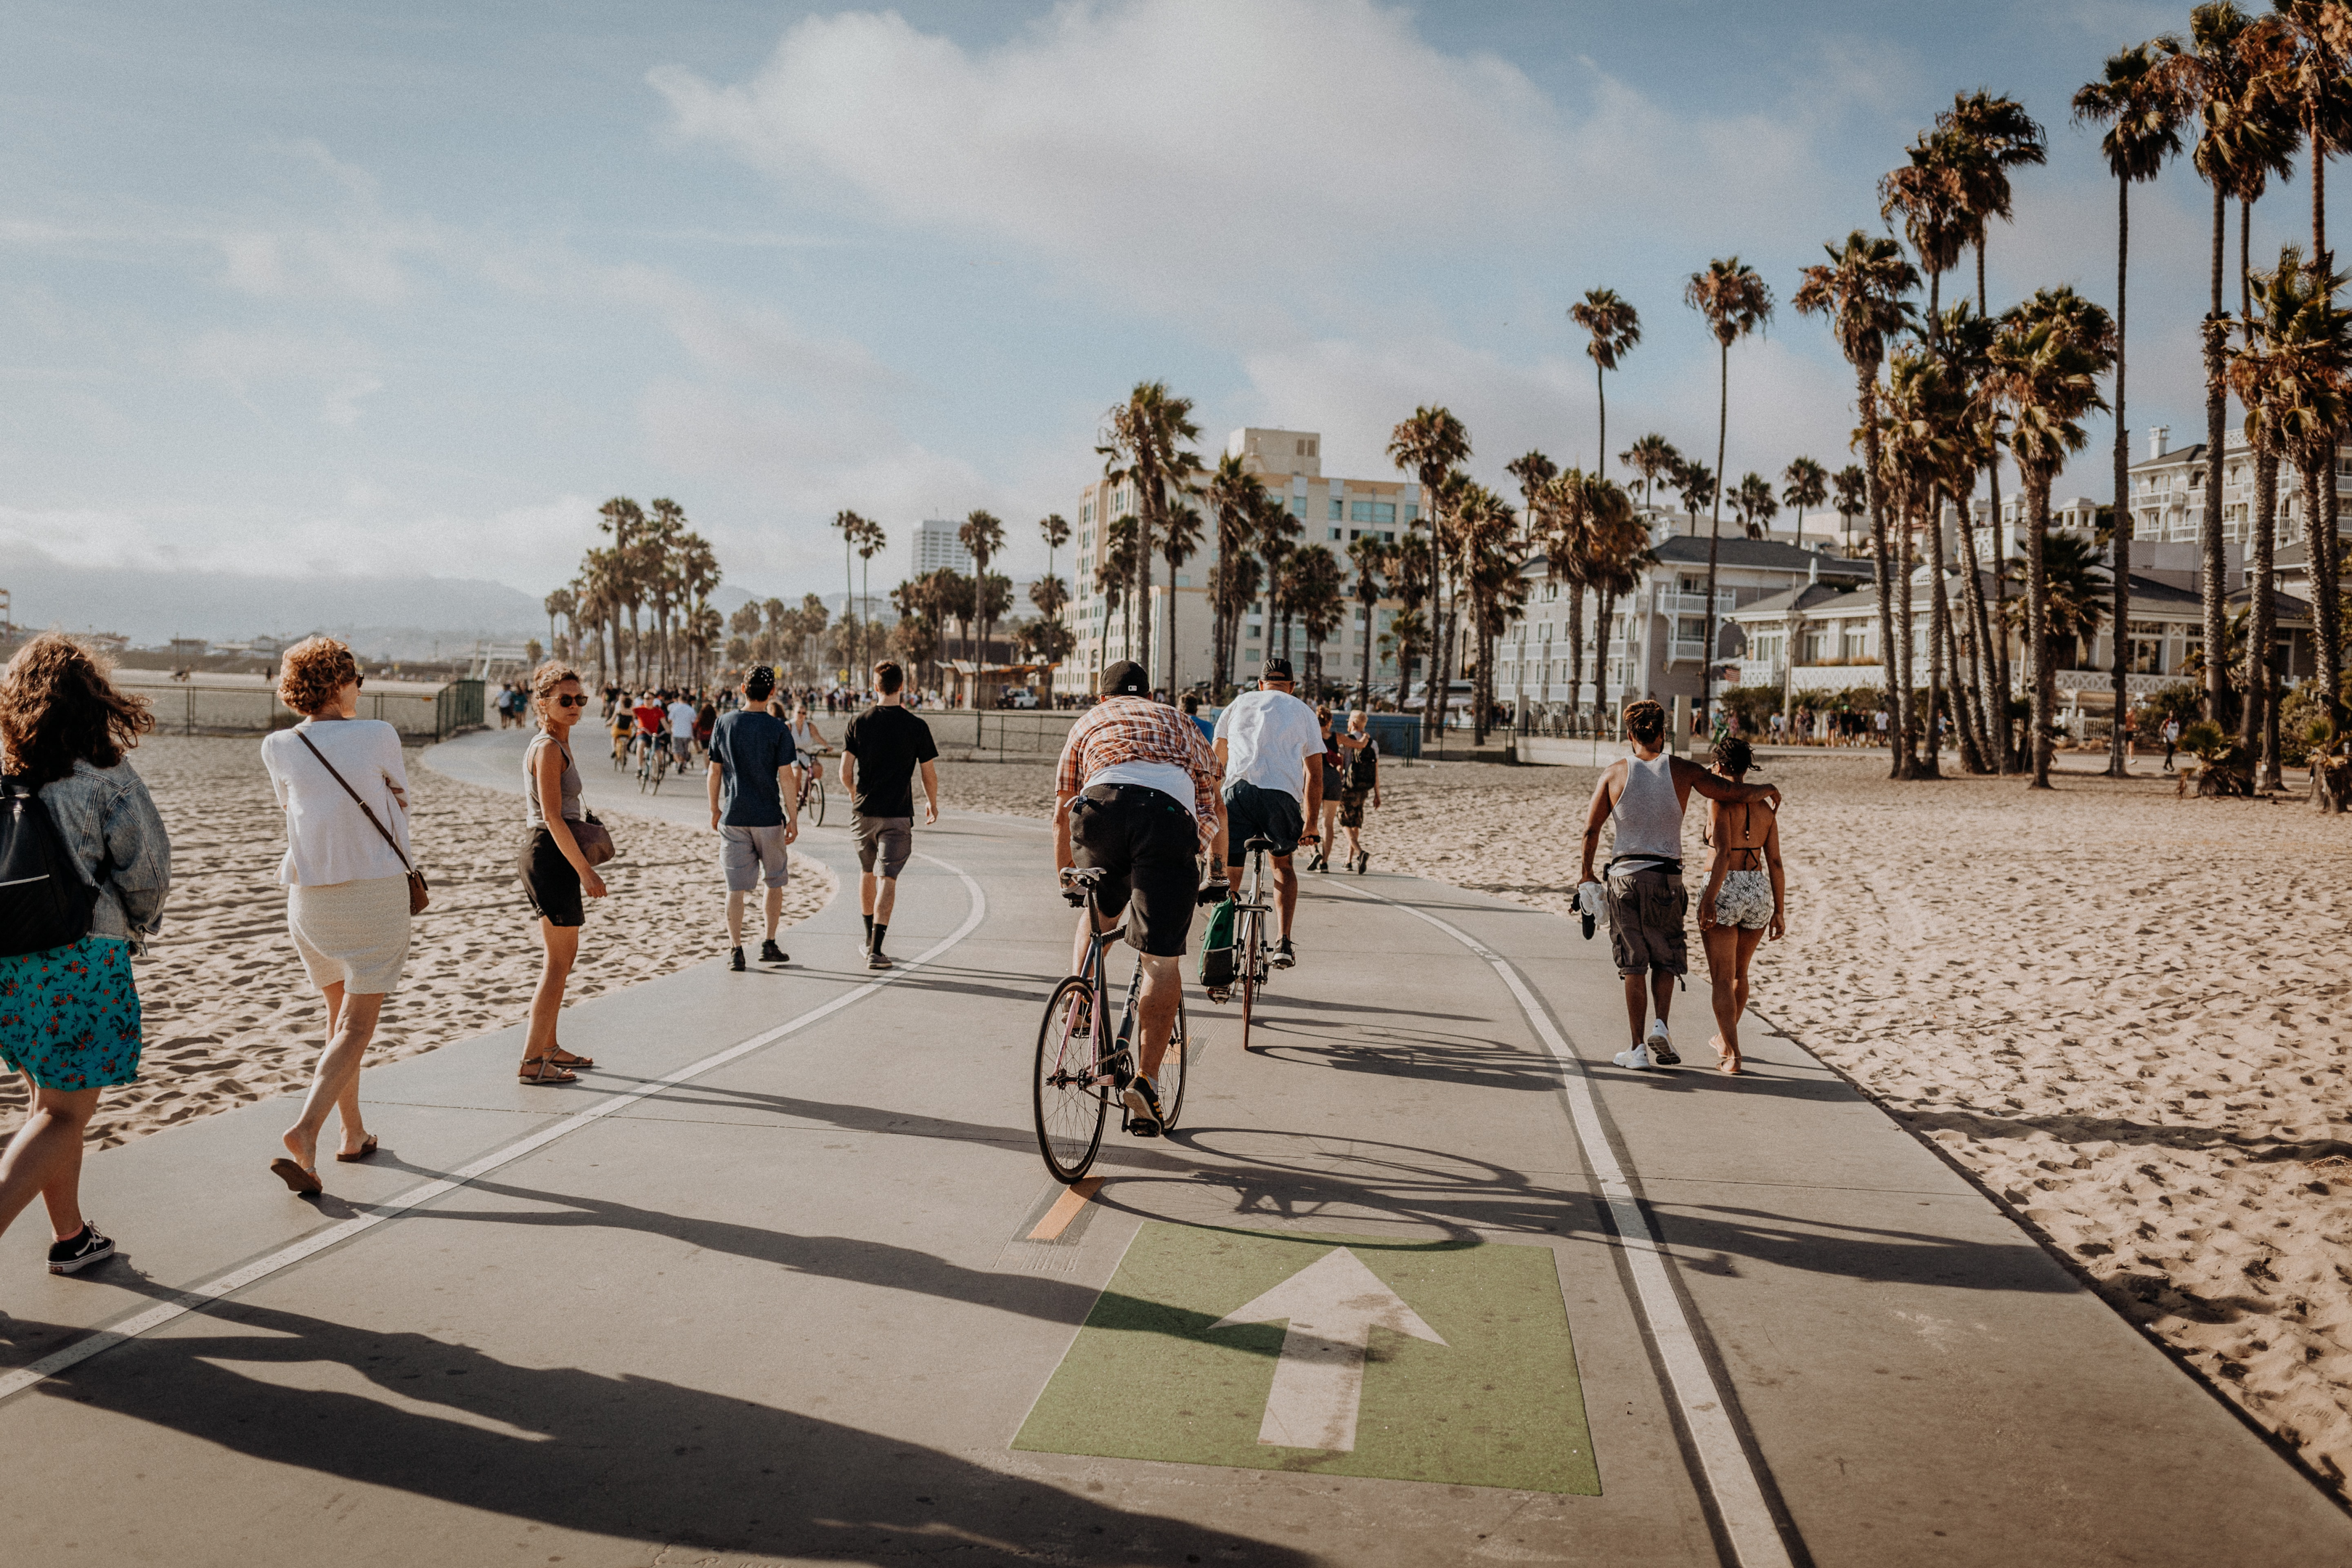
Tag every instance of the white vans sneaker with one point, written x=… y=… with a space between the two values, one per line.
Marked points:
x=1637 y=1058
x=1662 y=1046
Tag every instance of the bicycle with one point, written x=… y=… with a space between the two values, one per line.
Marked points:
x=1252 y=904
x=653 y=763
x=1081 y=1068
x=812 y=803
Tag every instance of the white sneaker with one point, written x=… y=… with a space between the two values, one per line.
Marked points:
x=1661 y=1045
x=1637 y=1058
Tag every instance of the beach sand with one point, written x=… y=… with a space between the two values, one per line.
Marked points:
x=2129 y=1015
x=230 y=1017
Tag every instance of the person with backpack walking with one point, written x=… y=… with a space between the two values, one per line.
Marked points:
x=87 y=864
x=348 y=868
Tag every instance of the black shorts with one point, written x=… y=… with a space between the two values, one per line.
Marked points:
x=549 y=881
x=1145 y=844
x=1254 y=813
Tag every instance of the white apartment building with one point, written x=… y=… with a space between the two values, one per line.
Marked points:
x=2168 y=492
x=936 y=545
x=1334 y=512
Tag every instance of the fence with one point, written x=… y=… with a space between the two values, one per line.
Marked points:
x=194 y=709
x=1003 y=732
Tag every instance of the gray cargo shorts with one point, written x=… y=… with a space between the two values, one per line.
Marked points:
x=1647 y=907
x=750 y=856
x=890 y=839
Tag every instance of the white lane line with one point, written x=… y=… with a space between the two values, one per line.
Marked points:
x=189 y=1300
x=1731 y=1477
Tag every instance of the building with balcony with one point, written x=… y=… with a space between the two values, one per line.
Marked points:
x=1334 y=512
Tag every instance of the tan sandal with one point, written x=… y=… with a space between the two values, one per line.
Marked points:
x=299 y=1181
x=540 y=1070
x=564 y=1059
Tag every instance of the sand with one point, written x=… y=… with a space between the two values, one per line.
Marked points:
x=230 y=1017
x=2129 y=1015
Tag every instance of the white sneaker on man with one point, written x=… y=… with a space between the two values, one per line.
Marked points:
x=1661 y=1046
x=1637 y=1058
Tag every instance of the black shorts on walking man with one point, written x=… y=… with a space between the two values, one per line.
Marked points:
x=879 y=753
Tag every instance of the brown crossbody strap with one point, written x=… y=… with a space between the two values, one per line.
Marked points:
x=348 y=790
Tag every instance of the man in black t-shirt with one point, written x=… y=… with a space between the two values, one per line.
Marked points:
x=879 y=753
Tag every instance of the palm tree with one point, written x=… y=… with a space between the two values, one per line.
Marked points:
x=2142 y=114
x=1970 y=417
x=1615 y=327
x=1489 y=569
x=1179 y=544
x=982 y=537
x=1654 y=458
x=1318 y=592
x=1924 y=446
x=1735 y=302
x=558 y=603
x=623 y=523
x=1588 y=519
x=1407 y=635
x=1753 y=501
x=1369 y=555
x=665 y=538
x=1277 y=536
x=1235 y=496
x=1145 y=441
x=1852 y=499
x=1056 y=531
x=1532 y=470
x=852 y=527
x=1861 y=291
x=2046 y=362
x=1804 y=483
x=1430 y=446
x=1115 y=570
x=1615 y=546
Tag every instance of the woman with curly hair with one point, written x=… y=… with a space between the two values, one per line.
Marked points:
x=340 y=779
x=556 y=873
x=69 y=1015
x=1746 y=895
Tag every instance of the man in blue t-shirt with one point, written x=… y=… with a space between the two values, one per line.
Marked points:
x=754 y=788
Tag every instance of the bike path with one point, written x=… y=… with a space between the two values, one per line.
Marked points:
x=788 y=1310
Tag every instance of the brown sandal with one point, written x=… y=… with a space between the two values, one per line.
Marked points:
x=540 y=1070
x=366 y=1150
x=564 y=1059
x=302 y=1183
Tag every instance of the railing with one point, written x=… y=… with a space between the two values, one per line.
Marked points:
x=192 y=708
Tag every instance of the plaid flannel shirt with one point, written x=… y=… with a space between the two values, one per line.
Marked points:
x=1138 y=730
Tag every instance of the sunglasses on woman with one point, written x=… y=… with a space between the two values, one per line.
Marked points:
x=563 y=701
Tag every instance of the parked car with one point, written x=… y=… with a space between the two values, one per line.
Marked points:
x=1018 y=697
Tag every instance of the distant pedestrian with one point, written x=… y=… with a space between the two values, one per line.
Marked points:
x=754 y=788
x=1360 y=784
x=341 y=784
x=2171 y=739
x=681 y=716
x=1746 y=896
x=1334 y=764
x=556 y=871
x=69 y=1013
x=880 y=750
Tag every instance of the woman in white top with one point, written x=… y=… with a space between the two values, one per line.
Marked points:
x=347 y=881
x=805 y=738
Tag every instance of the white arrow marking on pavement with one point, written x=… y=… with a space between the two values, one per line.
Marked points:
x=1333 y=1304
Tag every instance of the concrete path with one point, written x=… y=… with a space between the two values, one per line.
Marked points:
x=786 y=1280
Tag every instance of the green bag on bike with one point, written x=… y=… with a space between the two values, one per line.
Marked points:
x=1217 y=966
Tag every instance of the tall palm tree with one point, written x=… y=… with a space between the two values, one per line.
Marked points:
x=1654 y=458
x=1804 y=483
x=1969 y=414
x=871 y=541
x=1924 y=443
x=1235 y=496
x=1532 y=470
x=1115 y=555
x=1737 y=302
x=1317 y=593
x=2142 y=114
x=1277 y=537
x=2046 y=362
x=1753 y=501
x=982 y=536
x=1615 y=327
x=1861 y=291
x=558 y=603
x=666 y=532
x=1615 y=547
x=852 y=527
x=1430 y=446
x=1178 y=544
x=1589 y=520
x=1488 y=568
x=624 y=523
x=1851 y=501
x=1369 y=555
x=1147 y=440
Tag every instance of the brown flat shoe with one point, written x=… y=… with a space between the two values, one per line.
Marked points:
x=540 y=1070
x=297 y=1179
x=564 y=1059
x=366 y=1150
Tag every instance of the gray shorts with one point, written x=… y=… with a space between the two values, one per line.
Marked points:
x=890 y=839
x=752 y=855
x=1646 y=912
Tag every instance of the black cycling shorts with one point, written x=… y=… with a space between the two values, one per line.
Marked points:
x=1145 y=843
x=1254 y=813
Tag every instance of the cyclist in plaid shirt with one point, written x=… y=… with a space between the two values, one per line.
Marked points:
x=1136 y=796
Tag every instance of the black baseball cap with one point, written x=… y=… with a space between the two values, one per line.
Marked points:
x=1277 y=669
x=1124 y=678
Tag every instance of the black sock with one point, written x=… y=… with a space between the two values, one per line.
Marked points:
x=875 y=945
x=870 y=930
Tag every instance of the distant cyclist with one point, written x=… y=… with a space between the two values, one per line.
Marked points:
x=1135 y=796
x=681 y=716
x=1270 y=748
x=648 y=715
x=806 y=735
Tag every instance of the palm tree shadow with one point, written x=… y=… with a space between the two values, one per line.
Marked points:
x=631 y=1457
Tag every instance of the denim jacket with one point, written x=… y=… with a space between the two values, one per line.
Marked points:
x=107 y=811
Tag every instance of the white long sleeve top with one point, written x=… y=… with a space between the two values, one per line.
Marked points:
x=328 y=839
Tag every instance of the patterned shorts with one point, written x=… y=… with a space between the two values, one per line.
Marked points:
x=69 y=1016
x=1744 y=899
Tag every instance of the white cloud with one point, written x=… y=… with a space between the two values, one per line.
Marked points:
x=336 y=368
x=347 y=246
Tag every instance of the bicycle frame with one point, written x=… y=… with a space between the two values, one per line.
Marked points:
x=1094 y=972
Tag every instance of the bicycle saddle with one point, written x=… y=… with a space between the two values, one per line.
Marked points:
x=1255 y=845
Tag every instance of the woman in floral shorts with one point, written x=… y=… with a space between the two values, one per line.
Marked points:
x=1745 y=896
x=69 y=1015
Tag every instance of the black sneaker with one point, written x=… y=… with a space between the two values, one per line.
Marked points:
x=878 y=959
x=771 y=954
x=1285 y=956
x=1142 y=1097
x=79 y=1251
x=735 y=959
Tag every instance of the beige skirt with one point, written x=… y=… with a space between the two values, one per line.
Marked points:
x=351 y=933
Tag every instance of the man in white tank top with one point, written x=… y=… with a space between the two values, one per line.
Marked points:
x=1647 y=903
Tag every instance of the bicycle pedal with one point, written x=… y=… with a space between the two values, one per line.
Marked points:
x=1139 y=1128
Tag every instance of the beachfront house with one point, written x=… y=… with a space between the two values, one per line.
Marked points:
x=2167 y=506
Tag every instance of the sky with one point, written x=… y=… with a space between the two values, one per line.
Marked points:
x=301 y=289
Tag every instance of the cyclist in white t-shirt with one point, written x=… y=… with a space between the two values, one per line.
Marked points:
x=1270 y=745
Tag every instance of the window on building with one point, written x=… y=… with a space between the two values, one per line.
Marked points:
x=1249 y=655
x=1337 y=532
x=1389 y=537
x=1255 y=631
x=1690 y=628
x=1338 y=507
x=2147 y=648
x=1298 y=507
x=1412 y=514
x=1854 y=643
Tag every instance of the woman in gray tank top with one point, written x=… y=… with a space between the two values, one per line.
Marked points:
x=555 y=874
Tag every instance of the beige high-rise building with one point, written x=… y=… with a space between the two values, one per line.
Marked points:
x=1333 y=512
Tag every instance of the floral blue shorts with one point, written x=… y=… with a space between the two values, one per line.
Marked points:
x=69 y=1016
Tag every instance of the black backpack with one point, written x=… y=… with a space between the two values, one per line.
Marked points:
x=44 y=902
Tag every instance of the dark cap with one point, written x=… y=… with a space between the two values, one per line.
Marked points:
x=1277 y=669
x=1124 y=678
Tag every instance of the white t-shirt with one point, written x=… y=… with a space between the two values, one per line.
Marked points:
x=1270 y=737
x=1166 y=778
x=327 y=837
x=681 y=720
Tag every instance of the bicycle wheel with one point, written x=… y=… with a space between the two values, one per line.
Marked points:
x=1248 y=981
x=1175 y=1067
x=1069 y=1110
x=816 y=800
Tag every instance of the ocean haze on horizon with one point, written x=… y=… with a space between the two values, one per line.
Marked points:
x=304 y=287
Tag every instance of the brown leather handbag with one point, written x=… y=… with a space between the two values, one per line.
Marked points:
x=595 y=839
x=419 y=895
